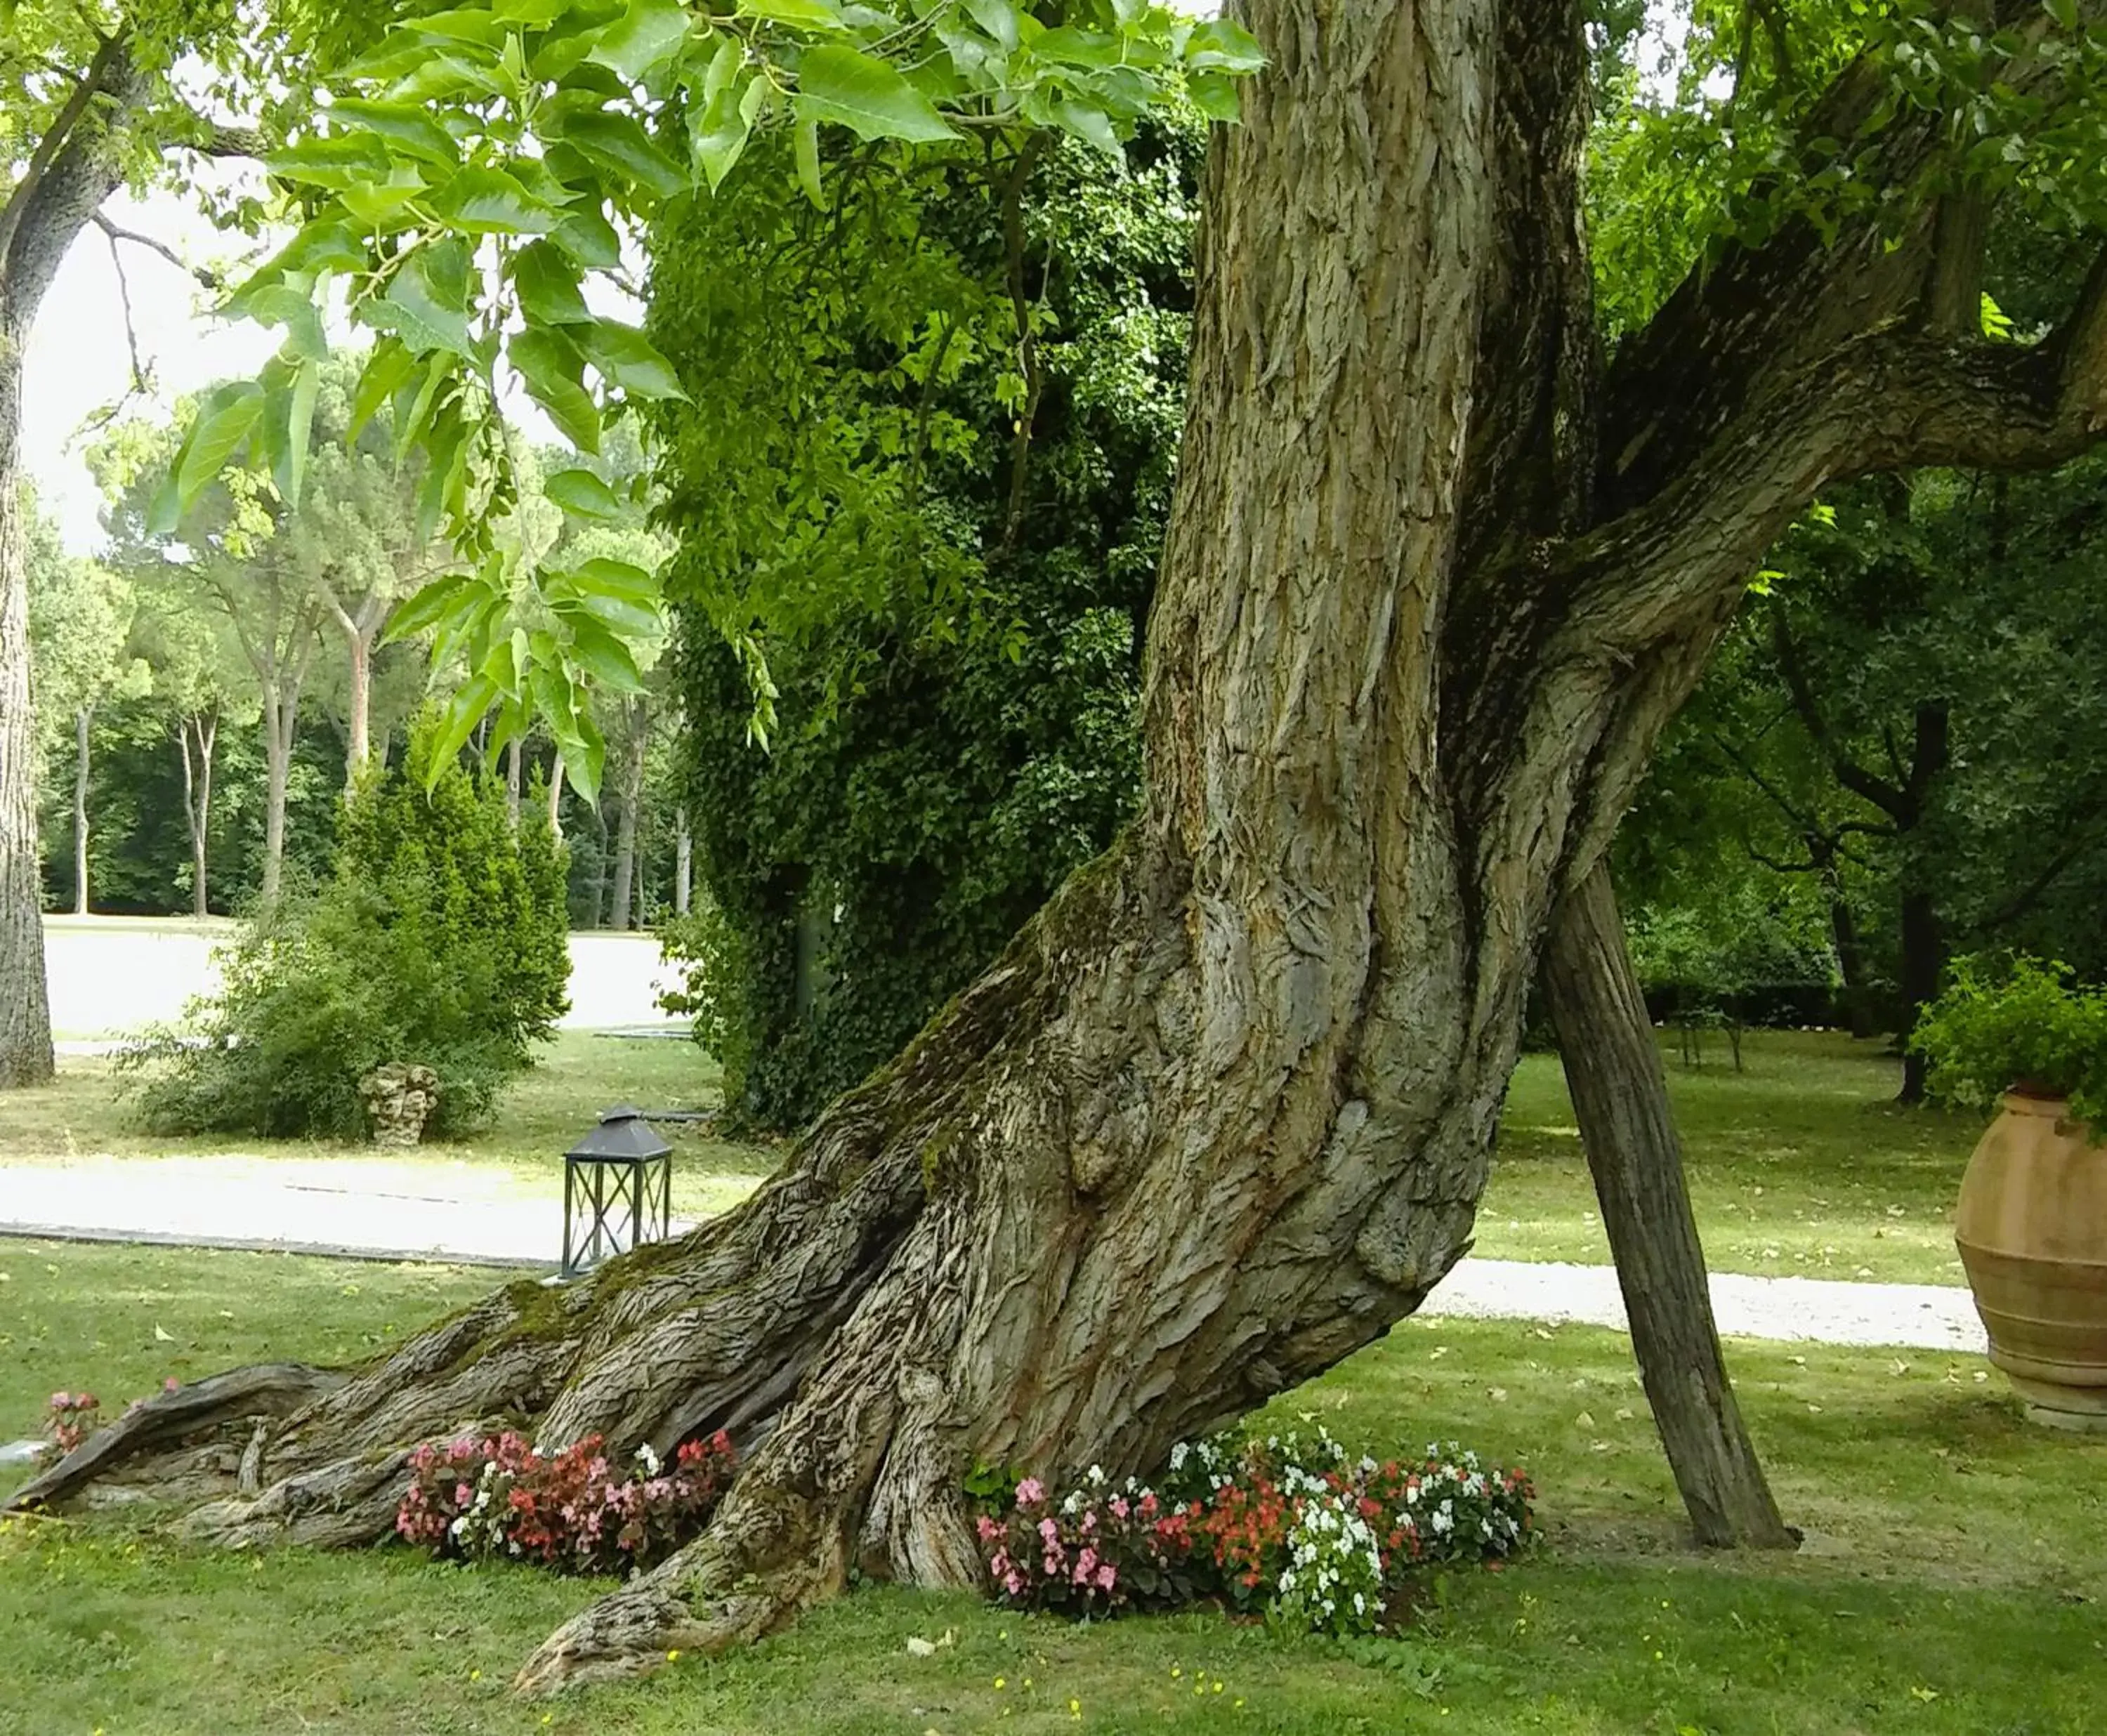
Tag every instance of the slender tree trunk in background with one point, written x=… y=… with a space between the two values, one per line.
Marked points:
x=515 y=755
x=638 y=719
x=1222 y=1112
x=556 y=794
x=602 y=879
x=358 y=743
x=279 y=715
x=197 y=798
x=684 y=861
x=1620 y=1097
x=83 y=721
x=25 y=1015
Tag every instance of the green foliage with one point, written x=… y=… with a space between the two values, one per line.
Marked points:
x=2017 y=1022
x=438 y=940
x=474 y=168
x=938 y=620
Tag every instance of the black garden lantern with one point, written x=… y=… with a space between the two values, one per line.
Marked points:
x=618 y=1181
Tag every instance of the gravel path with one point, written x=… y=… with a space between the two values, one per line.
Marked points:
x=374 y=1208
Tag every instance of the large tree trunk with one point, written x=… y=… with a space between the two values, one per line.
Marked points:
x=83 y=721
x=1222 y=1113
x=25 y=1015
x=1620 y=1096
x=67 y=176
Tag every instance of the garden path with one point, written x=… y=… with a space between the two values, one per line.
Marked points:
x=462 y=1214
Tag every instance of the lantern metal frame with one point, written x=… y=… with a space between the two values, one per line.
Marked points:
x=617 y=1180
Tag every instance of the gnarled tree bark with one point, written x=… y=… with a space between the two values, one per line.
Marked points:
x=1221 y=1115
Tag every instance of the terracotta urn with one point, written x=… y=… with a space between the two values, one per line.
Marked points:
x=2031 y=1228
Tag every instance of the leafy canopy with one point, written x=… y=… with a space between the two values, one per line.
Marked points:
x=474 y=179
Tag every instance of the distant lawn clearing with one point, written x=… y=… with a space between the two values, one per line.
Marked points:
x=1952 y=1585
x=1800 y=1166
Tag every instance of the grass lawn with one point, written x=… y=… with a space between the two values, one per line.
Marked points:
x=1952 y=1585
x=82 y=1115
x=1802 y=1164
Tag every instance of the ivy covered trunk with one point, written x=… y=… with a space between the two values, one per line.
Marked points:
x=1222 y=1113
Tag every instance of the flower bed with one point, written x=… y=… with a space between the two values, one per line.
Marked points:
x=497 y=1497
x=1289 y=1525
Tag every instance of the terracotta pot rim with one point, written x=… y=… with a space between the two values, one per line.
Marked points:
x=2027 y=1100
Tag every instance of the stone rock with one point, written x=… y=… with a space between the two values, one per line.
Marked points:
x=399 y=1100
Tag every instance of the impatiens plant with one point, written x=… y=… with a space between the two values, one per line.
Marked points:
x=1290 y=1526
x=497 y=1497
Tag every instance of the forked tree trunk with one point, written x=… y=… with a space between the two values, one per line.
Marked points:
x=197 y=797
x=1620 y=1096
x=281 y=710
x=1222 y=1113
x=83 y=721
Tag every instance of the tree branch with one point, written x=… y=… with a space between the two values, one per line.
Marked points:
x=117 y=232
x=107 y=59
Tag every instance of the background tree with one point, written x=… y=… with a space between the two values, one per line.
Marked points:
x=939 y=446
x=80 y=628
x=90 y=100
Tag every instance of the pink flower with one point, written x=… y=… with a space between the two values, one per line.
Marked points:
x=1107 y=1576
x=987 y=1528
x=1086 y=1565
x=1029 y=1490
x=1013 y=1582
x=1120 y=1508
x=1049 y=1530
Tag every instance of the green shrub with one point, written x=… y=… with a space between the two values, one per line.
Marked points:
x=439 y=939
x=2016 y=1022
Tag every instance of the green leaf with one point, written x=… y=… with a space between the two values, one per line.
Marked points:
x=811 y=15
x=300 y=424
x=552 y=369
x=224 y=423
x=386 y=369
x=377 y=203
x=548 y=286
x=404 y=124
x=467 y=24
x=866 y=95
x=331 y=161
x=730 y=57
x=617 y=143
x=999 y=19
x=488 y=201
x=419 y=305
x=280 y=304
x=2065 y=12
x=412 y=422
x=645 y=34
x=1067 y=45
x=581 y=492
x=464 y=712
x=806 y=135
x=630 y=619
x=625 y=358
x=1214 y=95
x=1221 y=46
x=429 y=606
x=1090 y=125
x=603 y=656
x=584 y=754
x=720 y=132
x=605 y=576
x=590 y=239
